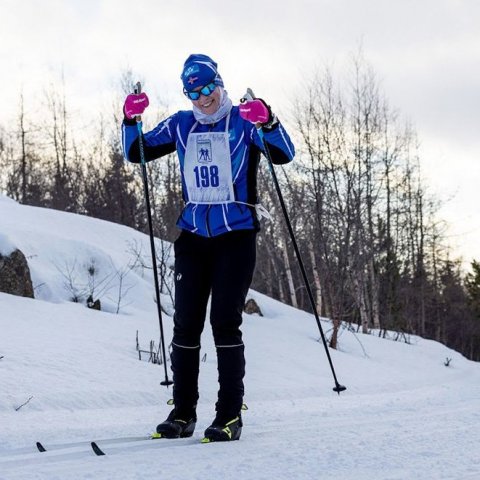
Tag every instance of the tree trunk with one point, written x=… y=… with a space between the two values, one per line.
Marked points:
x=288 y=271
x=375 y=301
x=358 y=286
x=316 y=278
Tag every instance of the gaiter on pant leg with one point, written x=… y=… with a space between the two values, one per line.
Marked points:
x=231 y=370
x=185 y=367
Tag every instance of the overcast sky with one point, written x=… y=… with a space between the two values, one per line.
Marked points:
x=426 y=54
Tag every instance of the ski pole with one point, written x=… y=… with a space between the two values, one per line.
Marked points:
x=138 y=118
x=338 y=388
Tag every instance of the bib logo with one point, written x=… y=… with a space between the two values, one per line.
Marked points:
x=204 y=151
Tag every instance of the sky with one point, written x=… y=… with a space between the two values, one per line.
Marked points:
x=425 y=53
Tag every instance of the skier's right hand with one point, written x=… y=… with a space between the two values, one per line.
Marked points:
x=135 y=104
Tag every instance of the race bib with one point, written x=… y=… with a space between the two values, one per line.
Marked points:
x=208 y=168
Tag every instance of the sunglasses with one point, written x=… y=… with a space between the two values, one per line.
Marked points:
x=206 y=91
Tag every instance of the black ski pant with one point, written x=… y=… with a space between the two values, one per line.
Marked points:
x=223 y=267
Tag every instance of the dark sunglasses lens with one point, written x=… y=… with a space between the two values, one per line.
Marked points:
x=207 y=89
x=193 y=95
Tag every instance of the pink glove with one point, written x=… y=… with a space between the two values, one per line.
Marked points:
x=135 y=104
x=255 y=111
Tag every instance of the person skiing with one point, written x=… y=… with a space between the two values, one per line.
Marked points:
x=218 y=148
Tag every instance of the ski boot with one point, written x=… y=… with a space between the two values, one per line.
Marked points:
x=176 y=425
x=223 y=430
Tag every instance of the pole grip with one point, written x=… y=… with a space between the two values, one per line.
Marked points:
x=248 y=96
x=137 y=89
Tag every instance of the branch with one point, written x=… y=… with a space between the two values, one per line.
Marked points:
x=23 y=404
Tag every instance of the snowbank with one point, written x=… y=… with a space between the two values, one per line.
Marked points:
x=71 y=374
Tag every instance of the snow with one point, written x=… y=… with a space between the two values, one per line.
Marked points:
x=6 y=246
x=77 y=374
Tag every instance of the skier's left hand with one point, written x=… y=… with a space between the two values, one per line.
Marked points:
x=255 y=111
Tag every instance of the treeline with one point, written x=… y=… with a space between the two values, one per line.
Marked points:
x=369 y=230
x=375 y=250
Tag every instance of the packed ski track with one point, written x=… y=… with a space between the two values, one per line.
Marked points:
x=70 y=376
x=387 y=436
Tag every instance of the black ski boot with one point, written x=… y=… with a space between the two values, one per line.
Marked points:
x=177 y=425
x=223 y=430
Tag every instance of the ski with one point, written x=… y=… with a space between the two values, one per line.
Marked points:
x=103 y=447
x=150 y=443
x=96 y=449
x=87 y=443
x=40 y=447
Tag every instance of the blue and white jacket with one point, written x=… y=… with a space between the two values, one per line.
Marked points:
x=245 y=148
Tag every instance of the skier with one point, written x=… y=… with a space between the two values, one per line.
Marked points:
x=215 y=251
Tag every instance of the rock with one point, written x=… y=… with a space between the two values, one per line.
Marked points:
x=93 y=304
x=251 y=306
x=15 y=275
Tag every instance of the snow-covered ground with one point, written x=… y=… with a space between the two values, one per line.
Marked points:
x=405 y=415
